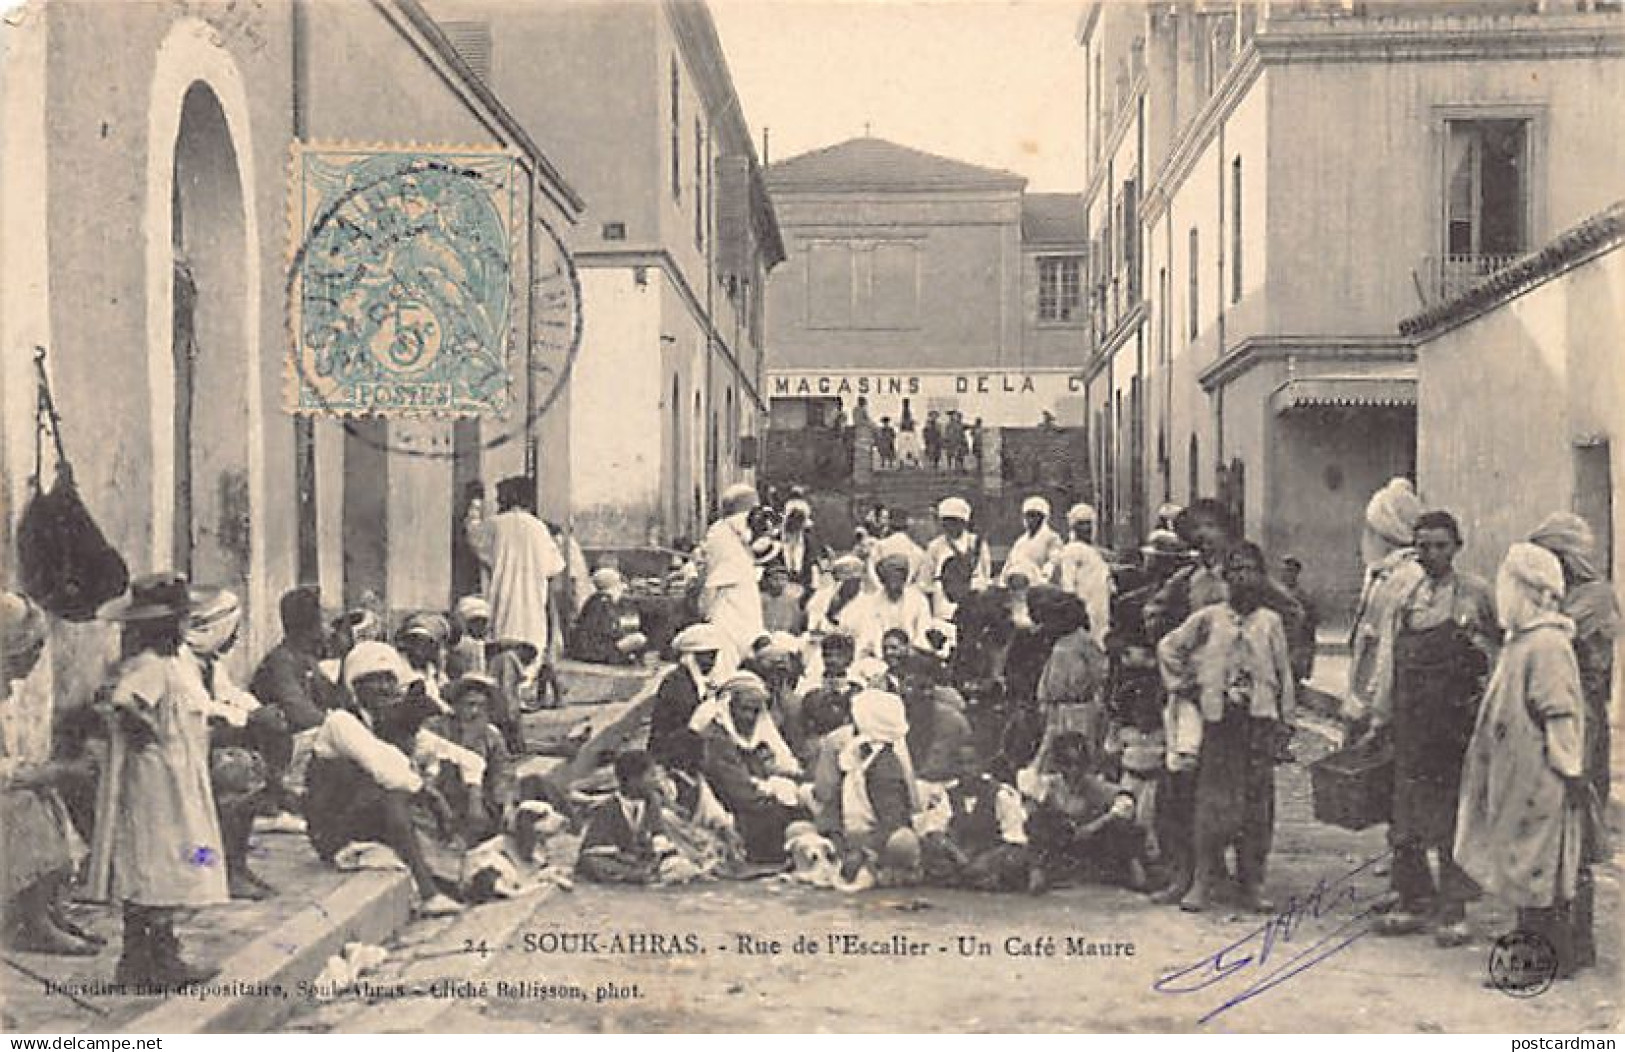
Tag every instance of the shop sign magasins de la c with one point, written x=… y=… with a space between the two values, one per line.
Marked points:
x=969 y=383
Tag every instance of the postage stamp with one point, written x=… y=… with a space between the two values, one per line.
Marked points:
x=403 y=280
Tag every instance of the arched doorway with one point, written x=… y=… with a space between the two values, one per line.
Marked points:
x=211 y=504
x=203 y=243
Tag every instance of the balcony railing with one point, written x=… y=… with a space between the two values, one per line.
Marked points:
x=1444 y=278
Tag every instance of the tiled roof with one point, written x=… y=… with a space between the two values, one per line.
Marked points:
x=870 y=163
x=1052 y=219
x=1602 y=231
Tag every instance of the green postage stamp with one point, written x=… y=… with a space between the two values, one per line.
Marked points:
x=402 y=279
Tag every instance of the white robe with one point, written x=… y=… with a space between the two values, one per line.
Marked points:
x=1084 y=573
x=877 y=614
x=519 y=549
x=1040 y=549
x=732 y=599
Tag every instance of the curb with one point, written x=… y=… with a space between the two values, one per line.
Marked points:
x=368 y=907
x=442 y=960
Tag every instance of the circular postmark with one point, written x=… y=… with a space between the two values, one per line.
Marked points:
x=1523 y=964
x=423 y=289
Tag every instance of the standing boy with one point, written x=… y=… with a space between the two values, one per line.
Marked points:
x=1230 y=660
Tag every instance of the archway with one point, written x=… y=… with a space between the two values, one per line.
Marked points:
x=200 y=213
x=212 y=511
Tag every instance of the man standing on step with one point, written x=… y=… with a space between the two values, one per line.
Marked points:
x=1084 y=573
x=1037 y=545
x=957 y=558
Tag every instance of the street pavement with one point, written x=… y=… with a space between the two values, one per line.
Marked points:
x=1319 y=971
x=531 y=969
x=555 y=964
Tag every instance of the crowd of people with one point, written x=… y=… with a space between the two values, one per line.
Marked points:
x=895 y=713
x=943 y=442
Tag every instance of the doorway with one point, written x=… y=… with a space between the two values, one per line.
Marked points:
x=213 y=527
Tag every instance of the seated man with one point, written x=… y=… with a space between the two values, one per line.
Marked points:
x=897 y=605
x=361 y=786
x=877 y=794
x=974 y=832
x=749 y=767
x=827 y=704
x=469 y=726
x=625 y=836
x=671 y=741
x=782 y=606
x=832 y=605
x=937 y=728
x=610 y=629
x=471 y=619
x=1081 y=824
x=510 y=662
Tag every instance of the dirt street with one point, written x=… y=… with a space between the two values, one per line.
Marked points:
x=724 y=957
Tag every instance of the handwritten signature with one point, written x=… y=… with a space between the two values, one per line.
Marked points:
x=1259 y=955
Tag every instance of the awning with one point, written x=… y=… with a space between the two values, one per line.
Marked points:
x=1344 y=391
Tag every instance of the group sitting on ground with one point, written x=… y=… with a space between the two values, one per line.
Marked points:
x=896 y=715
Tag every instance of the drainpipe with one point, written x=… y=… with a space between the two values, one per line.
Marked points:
x=307 y=527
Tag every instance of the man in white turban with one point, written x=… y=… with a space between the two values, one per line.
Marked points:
x=1084 y=573
x=957 y=559
x=1037 y=543
x=1519 y=825
x=1588 y=601
x=1391 y=571
x=731 y=600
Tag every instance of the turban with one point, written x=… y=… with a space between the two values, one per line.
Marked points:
x=1569 y=537
x=371 y=657
x=606 y=577
x=1530 y=582
x=364 y=624
x=741 y=496
x=954 y=508
x=780 y=643
x=896 y=560
x=471 y=606
x=879 y=716
x=1534 y=567
x=1080 y=513
x=847 y=568
x=901 y=851
x=793 y=506
x=214 y=623
x=1392 y=511
x=1164 y=542
x=426 y=624
x=1025 y=569
x=1038 y=504
x=697 y=639
x=745 y=683
x=472 y=681
x=22 y=625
